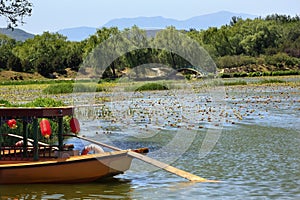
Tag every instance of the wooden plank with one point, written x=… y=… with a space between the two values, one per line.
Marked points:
x=36 y=111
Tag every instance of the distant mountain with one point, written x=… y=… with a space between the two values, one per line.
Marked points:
x=16 y=34
x=200 y=22
x=155 y=23
x=78 y=33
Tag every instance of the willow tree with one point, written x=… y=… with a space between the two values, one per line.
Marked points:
x=14 y=11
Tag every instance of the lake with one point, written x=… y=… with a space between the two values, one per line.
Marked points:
x=245 y=136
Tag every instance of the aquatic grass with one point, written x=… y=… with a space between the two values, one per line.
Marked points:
x=65 y=88
x=285 y=73
x=43 y=102
x=219 y=82
x=38 y=102
x=271 y=81
x=61 y=88
x=31 y=82
x=5 y=103
x=238 y=82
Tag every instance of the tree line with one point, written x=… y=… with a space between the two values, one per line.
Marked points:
x=273 y=40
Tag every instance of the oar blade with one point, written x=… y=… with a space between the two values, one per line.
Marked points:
x=169 y=168
x=134 y=154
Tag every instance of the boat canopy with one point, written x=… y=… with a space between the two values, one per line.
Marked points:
x=31 y=115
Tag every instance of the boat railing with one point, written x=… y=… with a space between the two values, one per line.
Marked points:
x=21 y=153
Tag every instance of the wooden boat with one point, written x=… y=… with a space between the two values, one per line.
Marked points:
x=42 y=163
x=49 y=164
x=76 y=169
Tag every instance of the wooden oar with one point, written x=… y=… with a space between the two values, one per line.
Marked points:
x=152 y=161
x=30 y=140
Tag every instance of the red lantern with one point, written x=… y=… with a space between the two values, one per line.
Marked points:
x=12 y=123
x=45 y=128
x=75 y=126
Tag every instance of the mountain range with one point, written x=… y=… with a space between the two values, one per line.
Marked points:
x=154 y=24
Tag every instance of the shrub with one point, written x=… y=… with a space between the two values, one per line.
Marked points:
x=235 y=61
x=151 y=86
x=282 y=59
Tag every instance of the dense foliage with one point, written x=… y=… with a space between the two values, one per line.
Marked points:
x=272 y=42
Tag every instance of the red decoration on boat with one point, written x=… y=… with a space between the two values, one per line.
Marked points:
x=75 y=126
x=12 y=123
x=45 y=128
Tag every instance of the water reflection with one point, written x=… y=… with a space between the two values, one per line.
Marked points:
x=107 y=189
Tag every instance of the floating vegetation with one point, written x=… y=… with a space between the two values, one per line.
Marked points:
x=171 y=105
x=33 y=82
x=219 y=82
x=238 y=82
x=270 y=81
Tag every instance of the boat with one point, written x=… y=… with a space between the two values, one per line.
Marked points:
x=38 y=162
x=30 y=161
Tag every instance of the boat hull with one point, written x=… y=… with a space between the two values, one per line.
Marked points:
x=76 y=169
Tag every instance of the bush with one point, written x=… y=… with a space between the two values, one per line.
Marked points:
x=282 y=59
x=151 y=86
x=235 y=61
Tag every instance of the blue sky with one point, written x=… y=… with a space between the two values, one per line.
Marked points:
x=53 y=15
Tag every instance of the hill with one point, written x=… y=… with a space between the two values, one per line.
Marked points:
x=16 y=34
x=199 y=22
x=78 y=33
x=155 y=23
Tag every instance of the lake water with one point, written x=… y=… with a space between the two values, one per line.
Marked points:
x=250 y=142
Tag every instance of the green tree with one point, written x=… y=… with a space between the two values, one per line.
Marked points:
x=8 y=60
x=46 y=53
x=100 y=36
x=262 y=35
x=74 y=55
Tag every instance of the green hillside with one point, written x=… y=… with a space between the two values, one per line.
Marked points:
x=16 y=34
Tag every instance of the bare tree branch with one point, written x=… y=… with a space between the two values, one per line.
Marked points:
x=14 y=11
